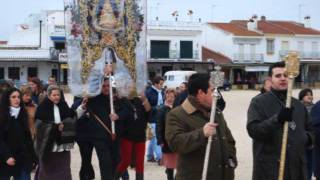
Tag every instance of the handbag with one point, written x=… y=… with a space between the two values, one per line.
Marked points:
x=68 y=134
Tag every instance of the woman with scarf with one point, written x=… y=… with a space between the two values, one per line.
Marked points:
x=306 y=98
x=53 y=120
x=31 y=108
x=17 y=157
x=169 y=157
x=315 y=115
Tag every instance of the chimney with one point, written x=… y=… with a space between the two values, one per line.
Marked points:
x=307 y=22
x=252 y=24
x=263 y=18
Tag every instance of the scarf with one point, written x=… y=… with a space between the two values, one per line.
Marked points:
x=280 y=94
x=14 y=111
x=46 y=111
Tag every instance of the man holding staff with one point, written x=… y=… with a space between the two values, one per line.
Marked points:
x=188 y=129
x=267 y=115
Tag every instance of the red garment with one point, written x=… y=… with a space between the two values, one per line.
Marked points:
x=127 y=147
x=170 y=160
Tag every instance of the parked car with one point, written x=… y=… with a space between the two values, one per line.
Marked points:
x=226 y=85
x=172 y=79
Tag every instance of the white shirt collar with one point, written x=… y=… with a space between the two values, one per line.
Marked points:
x=159 y=91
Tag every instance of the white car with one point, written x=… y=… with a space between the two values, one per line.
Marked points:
x=172 y=79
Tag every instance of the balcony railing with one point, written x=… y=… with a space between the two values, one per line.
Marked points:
x=302 y=54
x=181 y=24
x=175 y=55
x=248 y=58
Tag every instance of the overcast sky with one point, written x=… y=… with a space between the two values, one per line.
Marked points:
x=13 y=12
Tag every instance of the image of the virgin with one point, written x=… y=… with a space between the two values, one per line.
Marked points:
x=108 y=14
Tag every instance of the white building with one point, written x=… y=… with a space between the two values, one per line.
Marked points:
x=37 y=48
x=175 y=45
x=253 y=45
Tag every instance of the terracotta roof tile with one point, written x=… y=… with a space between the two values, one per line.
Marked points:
x=296 y=28
x=279 y=27
x=270 y=28
x=235 y=29
x=216 y=56
x=264 y=26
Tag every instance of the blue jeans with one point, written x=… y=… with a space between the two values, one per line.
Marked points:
x=22 y=176
x=154 y=150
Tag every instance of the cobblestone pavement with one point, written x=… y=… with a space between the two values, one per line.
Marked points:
x=235 y=114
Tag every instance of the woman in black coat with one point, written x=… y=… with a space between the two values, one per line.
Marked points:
x=55 y=129
x=133 y=135
x=169 y=158
x=17 y=157
x=315 y=115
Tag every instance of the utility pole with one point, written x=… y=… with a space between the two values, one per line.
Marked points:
x=40 y=32
x=300 y=11
x=212 y=11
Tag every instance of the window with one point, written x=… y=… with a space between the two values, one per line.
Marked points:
x=171 y=77
x=315 y=46
x=1 y=73
x=14 y=73
x=241 y=52
x=252 y=52
x=252 y=49
x=32 y=71
x=241 y=48
x=300 y=46
x=160 y=49
x=285 y=45
x=186 y=49
x=270 y=46
x=59 y=45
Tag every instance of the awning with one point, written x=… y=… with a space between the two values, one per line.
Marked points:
x=58 y=38
x=257 y=68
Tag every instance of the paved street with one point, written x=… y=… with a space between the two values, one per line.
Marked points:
x=235 y=114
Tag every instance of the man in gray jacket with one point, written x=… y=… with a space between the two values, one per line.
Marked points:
x=266 y=115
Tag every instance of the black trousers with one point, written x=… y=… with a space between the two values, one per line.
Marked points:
x=108 y=156
x=86 y=170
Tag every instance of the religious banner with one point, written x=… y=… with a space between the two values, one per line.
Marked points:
x=105 y=31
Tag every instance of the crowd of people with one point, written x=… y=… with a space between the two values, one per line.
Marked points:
x=38 y=129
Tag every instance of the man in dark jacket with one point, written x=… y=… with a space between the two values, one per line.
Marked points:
x=98 y=136
x=83 y=136
x=315 y=115
x=266 y=115
x=187 y=130
x=155 y=96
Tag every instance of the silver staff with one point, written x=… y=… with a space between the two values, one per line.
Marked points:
x=216 y=80
x=108 y=57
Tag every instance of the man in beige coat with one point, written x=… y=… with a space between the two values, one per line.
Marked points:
x=187 y=132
